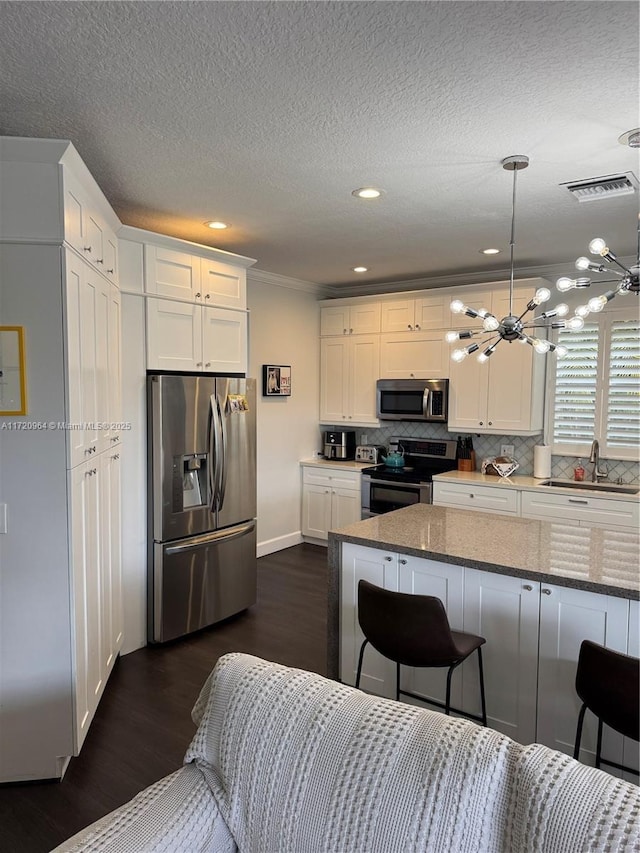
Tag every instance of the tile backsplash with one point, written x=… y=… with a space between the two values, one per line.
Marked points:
x=489 y=445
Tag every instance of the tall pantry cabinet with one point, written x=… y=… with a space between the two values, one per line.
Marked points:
x=60 y=565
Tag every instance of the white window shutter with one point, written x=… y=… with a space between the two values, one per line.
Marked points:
x=623 y=404
x=576 y=388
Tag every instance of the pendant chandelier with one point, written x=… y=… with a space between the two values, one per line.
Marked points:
x=629 y=278
x=513 y=327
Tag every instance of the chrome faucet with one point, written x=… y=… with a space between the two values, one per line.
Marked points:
x=594 y=457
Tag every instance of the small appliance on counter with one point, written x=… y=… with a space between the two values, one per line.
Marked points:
x=340 y=444
x=369 y=453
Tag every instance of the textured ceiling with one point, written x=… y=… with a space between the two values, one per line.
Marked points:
x=268 y=114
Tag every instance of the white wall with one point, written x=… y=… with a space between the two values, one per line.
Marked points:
x=284 y=328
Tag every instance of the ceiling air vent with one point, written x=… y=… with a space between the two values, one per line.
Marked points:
x=598 y=189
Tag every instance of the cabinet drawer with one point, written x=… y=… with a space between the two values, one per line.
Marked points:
x=331 y=477
x=612 y=513
x=484 y=498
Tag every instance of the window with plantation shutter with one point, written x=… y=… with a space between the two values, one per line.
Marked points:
x=575 y=392
x=595 y=390
x=623 y=409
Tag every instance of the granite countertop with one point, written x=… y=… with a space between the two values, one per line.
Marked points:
x=591 y=558
x=521 y=482
x=344 y=464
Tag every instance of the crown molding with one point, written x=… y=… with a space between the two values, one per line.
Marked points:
x=258 y=276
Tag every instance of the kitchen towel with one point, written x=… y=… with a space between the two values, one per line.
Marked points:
x=542 y=461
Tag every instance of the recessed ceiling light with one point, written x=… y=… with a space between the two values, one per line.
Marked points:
x=490 y=251
x=360 y=269
x=217 y=225
x=631 y=138
x=367 y=192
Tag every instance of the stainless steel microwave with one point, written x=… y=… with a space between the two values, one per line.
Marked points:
x=412 y=400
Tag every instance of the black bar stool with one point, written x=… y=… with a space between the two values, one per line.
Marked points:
x=413 y=630
x=608 y=683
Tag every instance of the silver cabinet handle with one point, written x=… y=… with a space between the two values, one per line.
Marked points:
x=115 y=438
x=110 y=272
x=388 y=559
x=409 y=327
x=344 y=331
x=198 y=364
x=577 y=501
x=87 y=248
x=528 y=587
x=490 y=423
x=418 y=326
x=472 y=496
x=208 y=364
x=198 y=295
x=99 y=261
x=116 y=456
x=546 y=592
x=403 y=562
x=481 y=423
x=207 y=296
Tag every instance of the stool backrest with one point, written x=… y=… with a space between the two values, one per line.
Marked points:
x=412 y=630
x=608 y=683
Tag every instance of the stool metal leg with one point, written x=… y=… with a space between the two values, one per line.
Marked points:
x=482 y=699
x=599 y=744
x=447 y=704
x=397 y=682
x=576 y=749
x=362 y=647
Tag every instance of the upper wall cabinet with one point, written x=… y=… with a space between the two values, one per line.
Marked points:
x=504 y=395
x=49 y=196
x=357 y=319
x=416 y=315
x=178 y=275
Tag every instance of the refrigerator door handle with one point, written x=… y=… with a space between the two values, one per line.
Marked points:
x=212 y=538
x=222 y=467
x=214 y=455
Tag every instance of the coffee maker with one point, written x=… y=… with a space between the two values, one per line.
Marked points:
x=340 y=444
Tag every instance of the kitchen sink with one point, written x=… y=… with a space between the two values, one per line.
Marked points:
x=592 y=487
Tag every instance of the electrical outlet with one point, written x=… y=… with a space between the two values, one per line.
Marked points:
x=506 y=450
x=363 y=438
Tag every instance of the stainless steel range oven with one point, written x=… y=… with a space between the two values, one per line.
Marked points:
x=385 y=489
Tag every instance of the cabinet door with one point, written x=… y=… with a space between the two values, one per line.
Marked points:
x=224 y=340
x=364 y=366
x=444 y=581
x=498 y=498
x=174 y=335
x=468 y=387
x=75 y=274
x=346 y=507
x=115 y=365
x=94 y=234
x=86 y=559
x=419 y=355
x=92 y=354
x=364 y=318
x=334 y=320
x=630 y=747
x=223 y=284
x=503 y=610
x=334 y=367
x=75 y=211
x=316 y=511
x=110 y=565
x=433 y=312
x=110 y=254
x=175 y=275
x=567 y=617
x=102 y=378
x=398 y=316
x=473 y=299
x=381 y=569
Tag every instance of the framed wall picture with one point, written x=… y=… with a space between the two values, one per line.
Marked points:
x=13 y=391
x=276 y=380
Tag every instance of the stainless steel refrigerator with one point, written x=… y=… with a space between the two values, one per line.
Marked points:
x=202 y=501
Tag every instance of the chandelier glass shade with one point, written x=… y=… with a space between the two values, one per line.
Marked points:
x=513 y=327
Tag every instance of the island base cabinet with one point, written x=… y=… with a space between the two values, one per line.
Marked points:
x=503 y=610
x=381 y=569
x=426 y=577
x=567 y=617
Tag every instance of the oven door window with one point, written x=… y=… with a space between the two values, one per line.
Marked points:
x=385 y=497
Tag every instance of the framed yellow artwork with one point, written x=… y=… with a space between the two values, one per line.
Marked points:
x=13 y=385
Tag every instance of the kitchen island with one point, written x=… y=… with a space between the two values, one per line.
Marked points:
x=533 y=588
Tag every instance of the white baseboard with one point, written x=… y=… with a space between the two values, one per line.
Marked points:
x=278 y=544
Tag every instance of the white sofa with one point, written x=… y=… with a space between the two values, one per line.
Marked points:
x=285 y=760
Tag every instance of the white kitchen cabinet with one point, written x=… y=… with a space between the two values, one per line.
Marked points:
x=581 y=507
x=359 y=318
x=504 y=395
x=173 y=274
x=189 y=337
x=349 y=368
x=223 y=284
x=66 y=298
x=111 y=618
x=415 y=314
x=477 y=497
x=379 y=568
x=503 y=610
x=414 y=355
x=567 y=617
x=330 y=499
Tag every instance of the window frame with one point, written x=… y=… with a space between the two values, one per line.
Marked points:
x=604 y=320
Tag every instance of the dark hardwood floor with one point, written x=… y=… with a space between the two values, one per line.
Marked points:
x=143 y=725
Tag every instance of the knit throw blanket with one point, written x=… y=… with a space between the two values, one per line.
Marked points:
x=301 y=764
